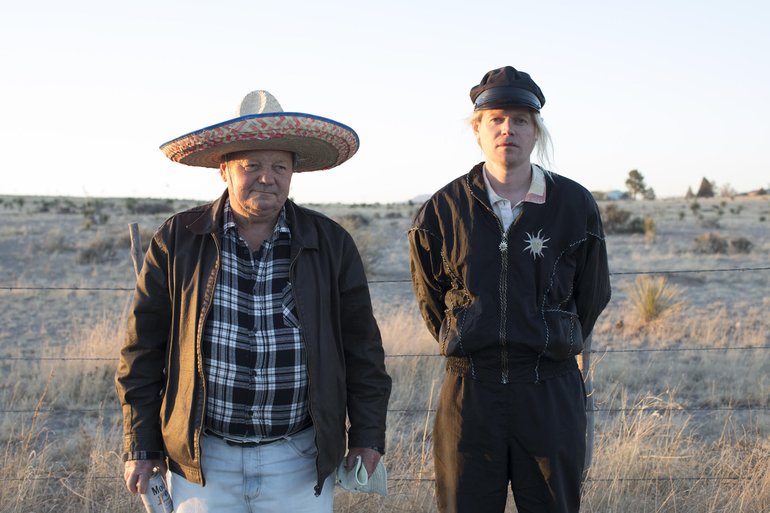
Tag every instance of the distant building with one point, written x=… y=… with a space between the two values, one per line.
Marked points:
x=616 y=195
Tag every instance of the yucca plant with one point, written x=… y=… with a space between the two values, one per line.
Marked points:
x=654 y=297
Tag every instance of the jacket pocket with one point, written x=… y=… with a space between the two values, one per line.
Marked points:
x=562 y=279
x=565 y=338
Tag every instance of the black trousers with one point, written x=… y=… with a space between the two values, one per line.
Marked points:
x=531 y=435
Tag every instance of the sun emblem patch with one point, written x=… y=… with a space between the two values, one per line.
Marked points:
x=535 y=244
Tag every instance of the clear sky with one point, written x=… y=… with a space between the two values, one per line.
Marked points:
x=676 y=89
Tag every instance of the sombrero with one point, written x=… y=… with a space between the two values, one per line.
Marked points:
x=319 y=143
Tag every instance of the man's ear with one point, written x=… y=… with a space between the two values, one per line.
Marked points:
x=223 y=171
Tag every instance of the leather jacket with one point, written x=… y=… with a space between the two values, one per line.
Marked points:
x=515 y=305
x=160 y=378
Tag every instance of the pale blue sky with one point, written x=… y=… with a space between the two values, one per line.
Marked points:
x=90 y=89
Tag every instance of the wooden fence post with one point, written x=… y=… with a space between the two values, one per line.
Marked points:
x=136 y=247
x=584 y=362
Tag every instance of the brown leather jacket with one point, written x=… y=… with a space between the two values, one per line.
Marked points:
x=160 y=380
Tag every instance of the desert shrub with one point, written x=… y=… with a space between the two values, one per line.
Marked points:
x=654 y=297
x=369 y=245
x=617 y=220
x=149 y=206
x=101 y=249
x=47 y=205
x=14 y=203
x=709 y=222
x=56 y=243
x=694 y=206
x=67 y=207
x=710 y=243
x=714 y=244
x=635 y=225
x=614 y=216
x=681 y=215
x=740 y=245
x=93 y=214
x=354 y=221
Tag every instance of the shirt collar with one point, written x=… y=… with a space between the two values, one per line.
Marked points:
x=282 y=226
x=535 y=194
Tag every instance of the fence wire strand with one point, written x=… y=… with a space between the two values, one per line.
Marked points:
x=425 y=479
x=408 y=280
x=81 y=476
x=411 y=355
x=652 y=409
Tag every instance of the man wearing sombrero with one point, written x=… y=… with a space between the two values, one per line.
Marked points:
x=251 y=338
x=509 y=266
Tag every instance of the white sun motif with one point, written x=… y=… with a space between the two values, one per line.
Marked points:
x=535 y=244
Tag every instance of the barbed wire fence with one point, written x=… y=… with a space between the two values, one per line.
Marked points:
x=760 y=408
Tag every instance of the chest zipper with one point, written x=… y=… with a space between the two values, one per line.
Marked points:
x=503 y=291
x=503 y=288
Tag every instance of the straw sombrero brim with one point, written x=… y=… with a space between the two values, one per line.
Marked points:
x=318 y=142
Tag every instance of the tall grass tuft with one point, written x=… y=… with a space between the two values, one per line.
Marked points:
x=653 y=297
x=649 y=229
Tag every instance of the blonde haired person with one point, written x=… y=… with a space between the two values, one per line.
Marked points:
x=509 y=267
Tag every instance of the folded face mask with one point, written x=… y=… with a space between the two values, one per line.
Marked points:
x=358 y=480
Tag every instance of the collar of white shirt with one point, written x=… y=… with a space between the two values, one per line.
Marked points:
x=535 y=194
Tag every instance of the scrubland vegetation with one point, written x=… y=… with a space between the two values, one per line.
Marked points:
x=681 y=367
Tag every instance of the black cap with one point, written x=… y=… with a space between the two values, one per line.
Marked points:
x=506 y=87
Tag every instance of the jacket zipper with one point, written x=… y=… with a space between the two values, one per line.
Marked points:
x=199 y=351
x=317 y=487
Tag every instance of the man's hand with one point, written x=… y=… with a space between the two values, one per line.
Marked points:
x=369 y=457
x=137 y=473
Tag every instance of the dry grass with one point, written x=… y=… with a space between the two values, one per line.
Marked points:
x=643 y=447
x=679 y=430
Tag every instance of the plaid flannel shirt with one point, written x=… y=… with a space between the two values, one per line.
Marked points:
x=253 y=356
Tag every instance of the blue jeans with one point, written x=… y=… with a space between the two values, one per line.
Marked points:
x=280 y=476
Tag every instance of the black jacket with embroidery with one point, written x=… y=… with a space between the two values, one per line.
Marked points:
x=515 y=306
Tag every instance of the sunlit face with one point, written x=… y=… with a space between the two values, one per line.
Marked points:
x=258 y=182
x=506 y=136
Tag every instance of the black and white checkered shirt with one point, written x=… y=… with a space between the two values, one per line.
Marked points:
x=253 y=356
